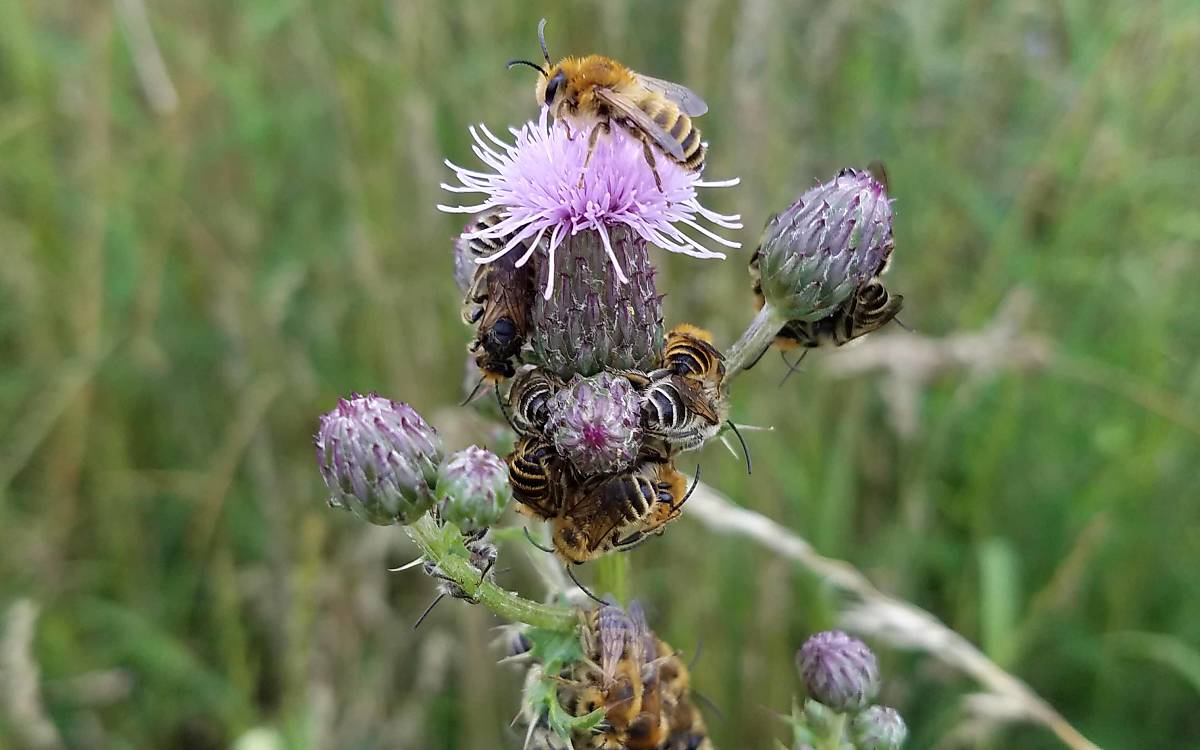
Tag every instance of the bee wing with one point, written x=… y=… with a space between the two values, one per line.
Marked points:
x=689 y=101
x=696 y=402
x=629 y=109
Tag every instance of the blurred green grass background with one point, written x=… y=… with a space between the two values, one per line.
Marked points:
x=193 y=268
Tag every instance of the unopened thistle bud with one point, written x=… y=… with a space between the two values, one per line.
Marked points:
x=839 y=671
x=594 y=423
x=379 y=459
x=472 y=489
x=878 y=728
x=826 y=245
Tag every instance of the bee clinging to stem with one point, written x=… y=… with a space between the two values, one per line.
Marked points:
x=599 y=88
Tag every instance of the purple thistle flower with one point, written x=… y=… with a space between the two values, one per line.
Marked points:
x=378 y=458
x=472 y=488
x=594 y=423
x=541 y=189
x=839 y=671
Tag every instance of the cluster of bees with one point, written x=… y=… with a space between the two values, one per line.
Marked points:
x=640 y=683
x=683 y=404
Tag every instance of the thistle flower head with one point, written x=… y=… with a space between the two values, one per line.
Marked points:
x=839 y=671
x=542 y=189
x=472 y=489
x=826 y=245
x=594 y=423
x=379 y=459
x=878 y=728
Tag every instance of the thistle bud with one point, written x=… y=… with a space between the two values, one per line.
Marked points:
x=839 y=671
x=379 y=459
x=827 y=244
x=472 y=489
x=878 y=728
x=594 y=423
x=593 y=321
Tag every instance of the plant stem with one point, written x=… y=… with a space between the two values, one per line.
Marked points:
x=612 y=577
x=434 y=546
x=753 y=342
x=832 y=739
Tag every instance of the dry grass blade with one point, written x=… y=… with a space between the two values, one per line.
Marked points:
x=20 y=686
x=871 y=612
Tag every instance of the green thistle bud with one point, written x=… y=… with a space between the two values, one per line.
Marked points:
x=592 y=320
x=878 y=728
x=839 y=671
x=378 y=458
x=826 y=245
x=472 y=489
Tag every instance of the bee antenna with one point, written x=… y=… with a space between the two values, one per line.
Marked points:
x=428 y=609
x=695 y=483
x=535 y=66
x=702 y=698
x=793 y=367
x=583 y=588
x=745 y=450
x=507 y=418
x=535 y=544
x=542 y=40
x=760 y=356
x=471 y=396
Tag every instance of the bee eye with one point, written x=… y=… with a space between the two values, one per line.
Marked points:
x=504 y=331
x=552 y=87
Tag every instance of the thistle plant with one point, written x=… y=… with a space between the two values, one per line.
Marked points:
x=840 y=675
x=563 y=297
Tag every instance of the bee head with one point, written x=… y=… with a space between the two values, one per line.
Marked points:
x=550 y=84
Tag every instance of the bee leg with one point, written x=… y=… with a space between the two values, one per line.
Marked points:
x=592 y=138
x=648 y=152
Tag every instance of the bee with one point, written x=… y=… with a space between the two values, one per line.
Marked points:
x=655 y=111
x=498 y=303
x=605 y=514
x=536 y=474
x=676 y=410
x=689 y=352
x=869 y=309
x=528 y=399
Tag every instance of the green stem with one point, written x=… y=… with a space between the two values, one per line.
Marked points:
x=612 y=577
x=435 y=546
x=754 y=341
x=832 y=739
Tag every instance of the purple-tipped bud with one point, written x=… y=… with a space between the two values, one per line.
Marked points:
x=594 y=423
x=592 y=320
x=839 y=671
x=878 y=728
x=379 y=459
x=826 y=245
x=472 y=489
